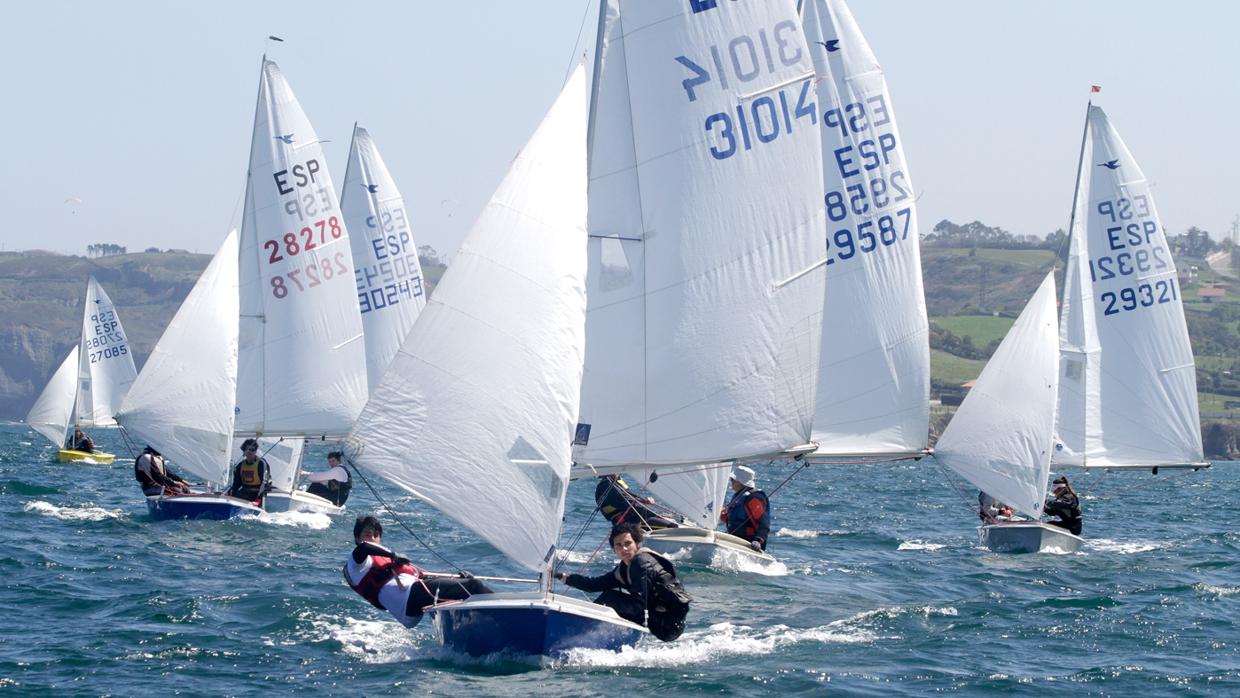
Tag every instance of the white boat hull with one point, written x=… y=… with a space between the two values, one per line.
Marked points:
x=693 y=544
x=1028 y=537
x=529 y=624
x=299 y=500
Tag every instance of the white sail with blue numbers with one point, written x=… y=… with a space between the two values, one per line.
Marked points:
x=1128 y=388
x=705 y=228
x=106 y=370
x=389 y=277
x=484 y=392
x=302 y=362
x=874 y=376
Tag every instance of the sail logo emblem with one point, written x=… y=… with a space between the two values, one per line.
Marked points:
x=1110 y=164
x=831 y=45
x=703 y=5
x=286 y=138
x=371 y=188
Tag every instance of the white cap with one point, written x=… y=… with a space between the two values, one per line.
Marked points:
x=743 y=475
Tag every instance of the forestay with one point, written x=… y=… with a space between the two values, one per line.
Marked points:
x=1128 y=391
x=705 y=226
x=106 y=369
x=389 y=276
x=874 y=376
x=182 y=402
x=302 y=365
x=1002 y=436
x=476 y=412
x=52 y=412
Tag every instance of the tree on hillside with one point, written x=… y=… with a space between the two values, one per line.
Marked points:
x=104 y=249
x=1194 y=242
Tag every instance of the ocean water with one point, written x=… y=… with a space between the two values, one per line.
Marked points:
x=881 y=590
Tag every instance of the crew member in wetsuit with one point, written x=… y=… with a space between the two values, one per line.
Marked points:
x=1065 y=506
x=251 y=476
x=991 y=510
x=81 y=442
x=748 y=514
x=643 y=588
x=618 y=503
x=392 y=583
x=332 y=484
x=153 y=475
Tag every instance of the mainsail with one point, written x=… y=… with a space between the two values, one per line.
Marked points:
x=1128 y=390
x=302 y=364
x=484 y=391
x=390 y=293
x=705 y=225
x=106 y=368
x=182 y=402
x=52 y=412
x=874 y=376
x=1001 y=437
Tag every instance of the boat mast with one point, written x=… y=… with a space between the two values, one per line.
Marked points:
x=1076 y=193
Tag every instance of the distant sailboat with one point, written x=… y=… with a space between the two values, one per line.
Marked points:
x=182 y=403
x=390 y=292
x=302 y=362
x=485 y=392
x=1002 y=436
x=874 y=378
x=705 y=283
x=1128 y=390
x=103 y=363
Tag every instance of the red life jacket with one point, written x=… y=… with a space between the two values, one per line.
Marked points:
x=382 y=570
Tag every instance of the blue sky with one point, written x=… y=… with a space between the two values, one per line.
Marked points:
x=143 y=110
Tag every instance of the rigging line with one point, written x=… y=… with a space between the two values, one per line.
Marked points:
x=390 y=510
x=577 y=42
x=968 y=501
x=788 y=479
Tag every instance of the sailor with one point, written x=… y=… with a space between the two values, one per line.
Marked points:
x=748 y=514
x=991 y=510
x=81 y=442
x=392 y=583
x=1065 y=506
x=153 y=475
x=643 y=588
x=619 y=504
x=251 y=476
x=332 y=484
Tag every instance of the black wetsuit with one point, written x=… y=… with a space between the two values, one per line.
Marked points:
x=1068 y=509
x=645 y=591
x=619 y=505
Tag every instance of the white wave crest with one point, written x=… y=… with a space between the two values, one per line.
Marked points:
x=920 y=545
x=572 y=556
x=732 y=561
x=799 y=534
x=371 y=641
x=1106 y=545
x=74 y=513
x=1216 y=590
x=720 y=640
x=306 y=519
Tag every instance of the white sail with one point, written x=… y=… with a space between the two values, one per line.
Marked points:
x=302 y=365
x=874 y=376
x=1002 y=436
x=182 y=402
x=52 y=412
x=1128 y=391
x=476 y=412
x=106 y=360
x=697 y=494
x=705 y=285
x=389 y=276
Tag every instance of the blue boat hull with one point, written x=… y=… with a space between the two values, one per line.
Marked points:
x=210 y=507
x=530 y=625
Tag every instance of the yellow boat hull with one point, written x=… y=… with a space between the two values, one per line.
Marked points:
x=70 y=456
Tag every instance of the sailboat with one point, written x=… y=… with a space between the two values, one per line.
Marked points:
x=485 y=392
x=90 y=383
x=390 y=293
x=183 y=402
x=1002 y=437
x=705 y=284
x=301 y=360
x=1128 y=389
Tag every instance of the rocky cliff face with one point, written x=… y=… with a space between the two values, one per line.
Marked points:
x=41 y=298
